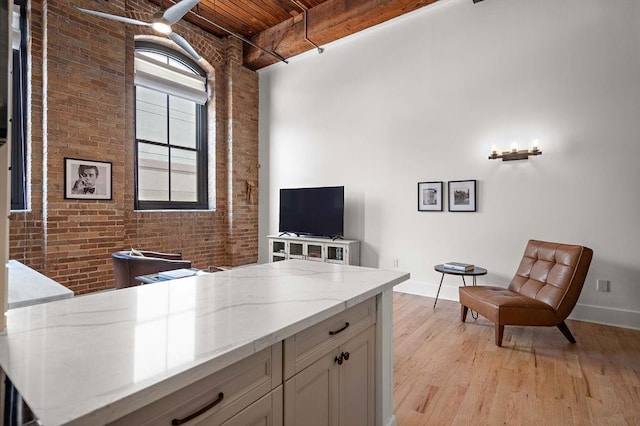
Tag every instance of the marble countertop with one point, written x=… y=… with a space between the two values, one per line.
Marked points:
x=29 y=287
x=92 y=359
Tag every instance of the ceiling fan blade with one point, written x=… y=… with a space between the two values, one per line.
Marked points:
x=178 y=10
x=114 y=17
x=184 y=44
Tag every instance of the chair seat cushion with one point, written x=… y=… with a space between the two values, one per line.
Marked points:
x=506 y=307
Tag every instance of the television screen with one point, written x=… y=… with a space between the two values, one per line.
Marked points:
x=312 y=211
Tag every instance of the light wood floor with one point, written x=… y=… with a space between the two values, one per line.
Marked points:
x=451 y=373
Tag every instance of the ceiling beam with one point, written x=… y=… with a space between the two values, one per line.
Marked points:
x=326 y=22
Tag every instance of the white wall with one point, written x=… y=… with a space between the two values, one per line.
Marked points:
x=423 y=98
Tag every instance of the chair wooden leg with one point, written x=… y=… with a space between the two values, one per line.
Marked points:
x=463 y=313
x=499 y=333
x=567 y=333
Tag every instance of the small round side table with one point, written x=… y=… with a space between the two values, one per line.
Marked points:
x=475 y=272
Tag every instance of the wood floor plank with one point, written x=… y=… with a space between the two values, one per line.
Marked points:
x=451 y=373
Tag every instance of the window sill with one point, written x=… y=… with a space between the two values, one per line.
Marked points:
x=176 y=211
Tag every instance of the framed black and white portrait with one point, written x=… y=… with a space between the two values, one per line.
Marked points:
x=462 y=196
x=87 y=179
x=430 y=196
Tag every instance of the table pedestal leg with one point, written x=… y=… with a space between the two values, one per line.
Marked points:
x=438 y=294
x=474 y=315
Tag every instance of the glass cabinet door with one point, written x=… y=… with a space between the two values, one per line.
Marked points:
x=336 y=254
x=314 y=252
x=278 y=251
x=279 y=247
x=296 y=250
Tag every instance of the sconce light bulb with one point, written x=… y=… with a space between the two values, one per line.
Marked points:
x=536 y=145
x=514 y=147
x=494 y=150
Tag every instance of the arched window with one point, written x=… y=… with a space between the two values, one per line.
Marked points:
x=171 y=130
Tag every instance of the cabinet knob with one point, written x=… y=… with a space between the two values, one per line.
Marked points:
x=339 y=359
x=345 y=355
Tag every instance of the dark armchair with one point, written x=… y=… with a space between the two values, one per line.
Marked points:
x=543 y=291
x=128 y=266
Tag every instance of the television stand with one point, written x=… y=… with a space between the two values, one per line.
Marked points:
x=316 y=249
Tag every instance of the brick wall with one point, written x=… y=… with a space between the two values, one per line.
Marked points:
x=82 y=107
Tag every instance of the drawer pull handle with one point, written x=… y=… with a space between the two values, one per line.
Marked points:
x=190 y=417
x=333 y=333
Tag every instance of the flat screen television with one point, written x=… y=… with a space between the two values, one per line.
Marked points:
x=312 y=211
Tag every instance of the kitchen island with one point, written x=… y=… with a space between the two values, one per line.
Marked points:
x=99 y=358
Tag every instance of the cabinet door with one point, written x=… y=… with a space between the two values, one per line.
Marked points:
x=267 y=411
x=337 y=253
x=310 y=396
x=314 y=252
x=357 y=380
x=331 y=393
x=277 y=250
x=297 y=250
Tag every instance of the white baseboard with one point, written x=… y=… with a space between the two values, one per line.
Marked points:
x=595 y=314
x=607 y=316
x=421 y=288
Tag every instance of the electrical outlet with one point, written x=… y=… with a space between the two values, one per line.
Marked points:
x=602 y=285
x=395 y=263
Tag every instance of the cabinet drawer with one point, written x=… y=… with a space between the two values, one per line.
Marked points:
x=235 y=387
x=304 y=348
x=267 y=411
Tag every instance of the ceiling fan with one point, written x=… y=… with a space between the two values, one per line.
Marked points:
x=161 y=22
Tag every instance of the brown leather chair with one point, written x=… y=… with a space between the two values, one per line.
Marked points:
x=127 y=267
x=543 y=292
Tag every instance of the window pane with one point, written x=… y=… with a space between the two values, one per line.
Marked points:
x=180 y=65
x=153 y=172
x=182 y=125
x=156 y=56
x=184 y=175
x=151 y=115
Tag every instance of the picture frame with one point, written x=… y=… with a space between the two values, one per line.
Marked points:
x=87 y=179
x=430 y=196
x=463 y=196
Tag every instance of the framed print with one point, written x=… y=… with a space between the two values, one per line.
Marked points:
x=462 y=196
x=429 y=196
x=86 y=179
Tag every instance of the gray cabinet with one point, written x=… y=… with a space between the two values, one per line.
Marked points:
x=329 y=371
x=337 y=389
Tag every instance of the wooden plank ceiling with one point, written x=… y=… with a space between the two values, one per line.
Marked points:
x=274 y=30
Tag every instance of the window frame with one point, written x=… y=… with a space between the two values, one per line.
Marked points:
x=201 y=148
x=19 y=116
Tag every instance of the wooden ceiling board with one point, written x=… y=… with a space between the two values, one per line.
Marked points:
x=327 y=22
x=277 y=25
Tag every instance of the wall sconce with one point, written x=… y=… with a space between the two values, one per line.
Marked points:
x=515 y=154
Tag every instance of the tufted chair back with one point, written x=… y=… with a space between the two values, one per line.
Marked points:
x=552 y=273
